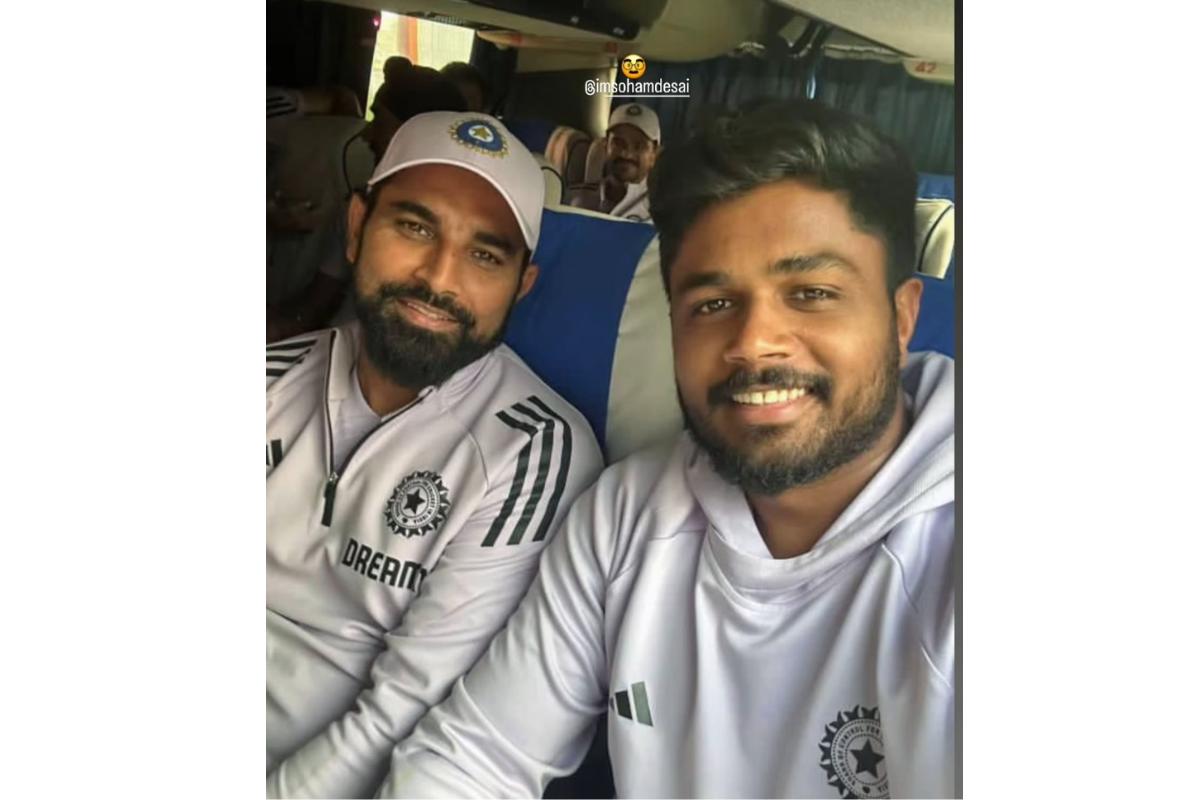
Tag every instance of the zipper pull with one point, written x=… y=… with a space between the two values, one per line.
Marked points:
x=330 y=493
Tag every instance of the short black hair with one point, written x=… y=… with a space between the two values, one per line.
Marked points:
x=409 y=90
x=462 y=72
x=735 y=152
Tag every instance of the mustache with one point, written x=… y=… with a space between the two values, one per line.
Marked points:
x=423 y=294
x=817 y=385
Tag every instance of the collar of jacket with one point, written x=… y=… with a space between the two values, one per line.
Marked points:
x=345 y=348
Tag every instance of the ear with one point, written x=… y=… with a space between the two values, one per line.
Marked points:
x=356 y=216
x=907 y=301
x=528 y=278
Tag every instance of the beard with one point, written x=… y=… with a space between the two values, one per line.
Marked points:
x=409 y=355
x=625 y=170
x=766 y=462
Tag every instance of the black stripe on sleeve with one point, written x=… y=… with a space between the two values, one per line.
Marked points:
x=276 y=451
x=286 y=359
x=287 y=354
x=560 y=481
x=518 y=479
x=291 y=345
x=539 y=485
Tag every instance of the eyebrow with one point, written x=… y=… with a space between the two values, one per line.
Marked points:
x=794 y=264
x=784 y=266
x=416 y=209
x=501 y=243
x=699 y=280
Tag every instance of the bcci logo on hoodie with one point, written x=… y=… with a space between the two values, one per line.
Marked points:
x=852 y=754
x=418 y=505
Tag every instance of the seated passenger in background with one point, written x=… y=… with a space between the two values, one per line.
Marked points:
x=632 y=146
x=415 y=465
x=407 y=90
x=471 y=85
x=312 y=100
x=767 y=608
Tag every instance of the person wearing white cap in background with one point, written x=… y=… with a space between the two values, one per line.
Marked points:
x=632 y=146
x=415 y=465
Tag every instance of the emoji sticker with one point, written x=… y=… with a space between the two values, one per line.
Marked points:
x=633 y=66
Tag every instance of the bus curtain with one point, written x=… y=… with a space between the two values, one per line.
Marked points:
x=919 y=114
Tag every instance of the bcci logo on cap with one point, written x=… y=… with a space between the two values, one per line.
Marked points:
x=481 y=136
x=418 y=505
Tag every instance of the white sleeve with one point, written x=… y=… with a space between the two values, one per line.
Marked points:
x=465 y=599
x=524 y=714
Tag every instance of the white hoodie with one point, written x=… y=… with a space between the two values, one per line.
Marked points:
x=725 y=672
x=635 y=205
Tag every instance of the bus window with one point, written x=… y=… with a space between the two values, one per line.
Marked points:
x=422 y=41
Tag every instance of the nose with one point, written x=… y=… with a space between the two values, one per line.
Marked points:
x=762 y=334
x=439 y=269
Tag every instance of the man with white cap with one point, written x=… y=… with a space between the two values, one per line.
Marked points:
x=631 y=147
x=415 y=465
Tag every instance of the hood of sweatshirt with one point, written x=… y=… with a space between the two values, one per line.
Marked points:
x=917 y=479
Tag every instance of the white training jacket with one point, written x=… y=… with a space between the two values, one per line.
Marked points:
x=726 y=673
x=386 y=582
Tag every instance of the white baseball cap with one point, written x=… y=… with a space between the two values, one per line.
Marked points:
x=639 y=116
x=476 y=142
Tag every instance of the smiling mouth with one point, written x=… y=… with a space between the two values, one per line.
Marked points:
x=771 y=397
x=427 y=312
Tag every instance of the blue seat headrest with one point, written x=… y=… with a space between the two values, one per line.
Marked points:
x=937 y=322
x=574 y=330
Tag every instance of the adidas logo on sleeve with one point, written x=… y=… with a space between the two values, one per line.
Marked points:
x=619 y=702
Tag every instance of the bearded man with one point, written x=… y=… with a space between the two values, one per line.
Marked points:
x=415 y=465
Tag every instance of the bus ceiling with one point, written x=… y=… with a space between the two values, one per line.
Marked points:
x=920 y=33
x=922 y=29
x=678 y=30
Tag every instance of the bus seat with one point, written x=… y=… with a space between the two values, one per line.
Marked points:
x=932 y=185
x=935 y=236
x=556 y=152
x=597 y=154
x=576 y=167
x=563 y=152
x=936 y=323
x=533 y=133
x=595 y=327
x=554 y=183
x=584 y=195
